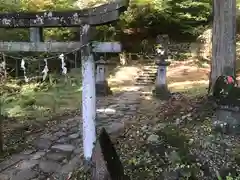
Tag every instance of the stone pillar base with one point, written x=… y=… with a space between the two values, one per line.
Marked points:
x=226 y=121
x=161 y=92
x=102 y=89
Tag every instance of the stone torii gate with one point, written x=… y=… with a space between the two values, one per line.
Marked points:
x=85 y=19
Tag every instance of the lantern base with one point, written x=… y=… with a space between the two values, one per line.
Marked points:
x=161 y=92
x=102 y=89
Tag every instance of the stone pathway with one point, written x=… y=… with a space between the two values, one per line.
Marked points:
x=58 y=151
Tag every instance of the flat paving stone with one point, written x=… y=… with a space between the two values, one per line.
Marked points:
x=55 y=156
x=8 y=174
x=27 y=174
x=74 y=136
x=74 y=129
x=72 y=165
x=11 y=161
x=46 y=136
x=60 y=134
x=43 y=144
x=49 y=166
x=4 y=177
x=27 y=152
x=63 y=147
x=77 y=151
x=38 y=155
x=26 y=164
x=63 y=140
x=115 y=128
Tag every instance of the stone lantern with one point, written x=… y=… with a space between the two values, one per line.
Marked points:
x=102 y=88
x=161 y=90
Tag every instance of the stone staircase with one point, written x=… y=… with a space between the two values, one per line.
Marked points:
x=148 y=75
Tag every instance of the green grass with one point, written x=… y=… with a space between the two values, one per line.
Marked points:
x=36 y=101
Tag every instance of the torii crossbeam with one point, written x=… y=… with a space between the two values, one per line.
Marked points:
x=100 y=15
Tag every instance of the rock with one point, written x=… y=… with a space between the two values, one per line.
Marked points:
x=38 y=155
x=102 y=116
x=56 y=156
x=7 y=174
x=25 y=175
x=49 y=166
x=63 y=125
x=28 y=152
x=115 y=128
x=144 y=128
x=76 y=142
x=74 y=136
x=43 y=144
x=60 y=134
x=63 y=140
x=72 y=120
x=109 y=111
x=73 y=164
x=177 y=121
x=11 y=161
x=4 y=177
x=159 y=126
x=63 y=147
x=46 y=136
x=153 y=139
x=26 y=164
x=74 y=129
x=78 y=151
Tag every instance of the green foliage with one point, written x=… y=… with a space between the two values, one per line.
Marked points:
x=184 y=16
x=158 y=16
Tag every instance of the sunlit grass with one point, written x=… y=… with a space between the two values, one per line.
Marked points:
x=40 y=101
x=190 y=88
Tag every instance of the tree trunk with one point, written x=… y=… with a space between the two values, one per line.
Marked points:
x=223 y=39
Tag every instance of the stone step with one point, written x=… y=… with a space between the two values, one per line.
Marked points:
x=139 y=80
x=146 y=77
x=152 y=72
x=145 y=82
x=149 y=66
x=149 y=73
x=149 y=69
x=148 y=82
